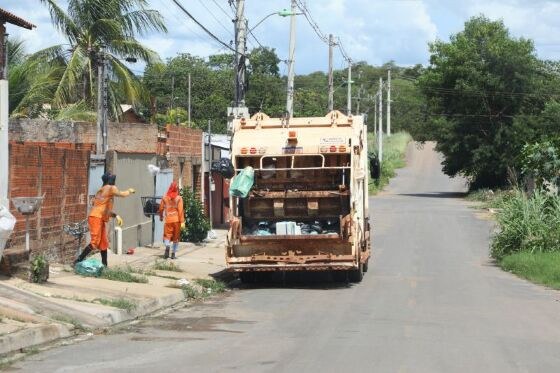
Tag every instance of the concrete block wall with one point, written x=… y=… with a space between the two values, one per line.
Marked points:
x=125 y=137
x=62 y=176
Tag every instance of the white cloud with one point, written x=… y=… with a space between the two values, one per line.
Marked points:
x=374 y=31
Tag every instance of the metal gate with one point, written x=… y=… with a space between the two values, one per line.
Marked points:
x=96 y=170
x=163 y=180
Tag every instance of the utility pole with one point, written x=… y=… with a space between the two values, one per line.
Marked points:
x=375 y=115
x=291 y=61
x=172 y=103
x=105 y=108
x=380 y=130
x=210 y=180
x=101 y=141
x=349 y=95
x=389 y=102
x=4 y=123
x=189 y=101
x=359 y=98
x=240 y=48
x=331 y=82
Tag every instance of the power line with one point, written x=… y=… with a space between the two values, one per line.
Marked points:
x=203 y=27
x=222 y=9
x=303 y=7
x=215 y=18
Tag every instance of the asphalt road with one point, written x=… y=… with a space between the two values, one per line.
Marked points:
x=431 y=302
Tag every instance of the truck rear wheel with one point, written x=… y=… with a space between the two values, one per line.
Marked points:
x=356 y=275
x=366 y=266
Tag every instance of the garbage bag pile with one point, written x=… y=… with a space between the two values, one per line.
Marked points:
x=292 y=228
x=89 y=267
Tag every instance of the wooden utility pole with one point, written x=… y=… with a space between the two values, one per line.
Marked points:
x=102 y=144
x=189 y=101
x=331 y=80
x=349 y=93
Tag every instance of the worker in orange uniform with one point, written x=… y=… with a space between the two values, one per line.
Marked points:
x=172 y=207
x=99 y=215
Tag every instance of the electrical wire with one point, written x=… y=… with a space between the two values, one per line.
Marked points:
x=222 y=9
x=303 y=7
x=216 y=18
x=204 y=27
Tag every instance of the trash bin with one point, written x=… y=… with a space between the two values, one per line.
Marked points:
x=7 y=223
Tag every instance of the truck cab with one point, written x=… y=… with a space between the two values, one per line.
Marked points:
x=308 y=207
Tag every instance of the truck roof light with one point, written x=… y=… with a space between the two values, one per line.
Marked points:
x=292 y=135
x=243 y=121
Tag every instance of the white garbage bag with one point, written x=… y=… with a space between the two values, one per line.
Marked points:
x=7 y=223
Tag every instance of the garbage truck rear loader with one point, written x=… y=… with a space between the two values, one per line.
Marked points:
x=307 y=208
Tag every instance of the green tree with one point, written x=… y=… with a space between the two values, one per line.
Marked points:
x=475 y=87
x=97 y=29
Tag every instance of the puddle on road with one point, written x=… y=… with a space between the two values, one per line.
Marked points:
x=198 y=324
x=145 y=338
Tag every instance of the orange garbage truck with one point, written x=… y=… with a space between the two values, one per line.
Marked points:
x=306 y=208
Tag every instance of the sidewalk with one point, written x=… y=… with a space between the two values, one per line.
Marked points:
x=34 y=314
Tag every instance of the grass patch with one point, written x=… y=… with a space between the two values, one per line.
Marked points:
x=491 y=199
x=123 y=304
x=201 y=288
x=163 y=265
x=69 y=320
x=394 y=149
x=124 y=275
x=540 y=268
x=527 y=224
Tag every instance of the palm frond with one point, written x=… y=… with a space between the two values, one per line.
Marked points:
x=78 y=111
x=132 y=48
x=62 y=21
x=143 y=21
x=66 y=89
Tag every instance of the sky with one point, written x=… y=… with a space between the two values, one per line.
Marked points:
x=376 y=31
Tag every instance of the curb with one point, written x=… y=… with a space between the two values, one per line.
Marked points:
x=31 y=337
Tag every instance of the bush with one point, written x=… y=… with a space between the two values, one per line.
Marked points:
x=528 y=224
x=197 y=224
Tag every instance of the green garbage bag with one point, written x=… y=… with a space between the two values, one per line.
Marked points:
x=242 y=183
x=89 y=267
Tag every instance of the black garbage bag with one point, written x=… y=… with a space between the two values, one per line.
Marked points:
x=224 y=167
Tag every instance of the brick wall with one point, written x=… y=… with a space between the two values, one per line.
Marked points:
x=62 y=176
x=186 y=143
x=125 y=137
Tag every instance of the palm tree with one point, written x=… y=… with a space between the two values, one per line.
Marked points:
x=98 y=30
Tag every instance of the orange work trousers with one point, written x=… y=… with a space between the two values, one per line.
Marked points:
x=172 y=231
x=98 y=233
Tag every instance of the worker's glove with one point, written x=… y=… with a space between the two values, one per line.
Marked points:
x=182 y=225
x=131 y=190
x=119 y=220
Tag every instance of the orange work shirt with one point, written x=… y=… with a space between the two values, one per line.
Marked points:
x=103 y=202
x=173 y=209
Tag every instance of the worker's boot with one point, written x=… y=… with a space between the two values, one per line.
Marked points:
x=104 y=257
x=166 y=255
x=173 y=256
x=83 y=255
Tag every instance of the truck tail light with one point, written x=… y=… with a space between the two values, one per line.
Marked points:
x=262 y=150
x=332 y=149
x=243 y=150
x=324 y=149
x=342 y=149
x=253 y=151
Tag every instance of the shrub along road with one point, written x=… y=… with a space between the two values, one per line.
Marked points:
x=431 y=302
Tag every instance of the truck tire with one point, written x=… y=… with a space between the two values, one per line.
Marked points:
x=366 y=266
x=247 y=277
x=356 y=275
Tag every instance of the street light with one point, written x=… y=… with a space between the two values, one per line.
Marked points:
x=281 y=13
